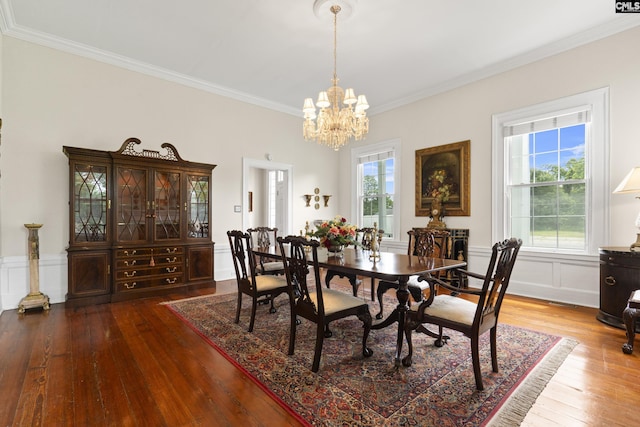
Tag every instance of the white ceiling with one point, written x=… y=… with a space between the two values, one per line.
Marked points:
x=275 y=53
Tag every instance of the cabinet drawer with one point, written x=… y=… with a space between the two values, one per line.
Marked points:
x=147 y=252
x=144 y=271
x=148 y=282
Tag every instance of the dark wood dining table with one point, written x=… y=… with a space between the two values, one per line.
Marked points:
x=388 y=266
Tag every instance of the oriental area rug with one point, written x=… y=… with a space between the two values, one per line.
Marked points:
x=349 y=390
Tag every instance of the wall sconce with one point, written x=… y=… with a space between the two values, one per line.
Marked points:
x=631 y=184
x=307 y=198
x=326 y=198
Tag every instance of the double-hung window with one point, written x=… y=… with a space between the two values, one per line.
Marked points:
x=375 y=182
x=551 y=190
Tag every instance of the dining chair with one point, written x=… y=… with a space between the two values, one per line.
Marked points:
x=264 y=237
x=365 y=235
x=249 y=283
x=423 y=242
x=472 y=315
x=311 y=301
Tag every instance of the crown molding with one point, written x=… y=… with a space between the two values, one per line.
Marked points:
x=620 y=24
x=9 y=27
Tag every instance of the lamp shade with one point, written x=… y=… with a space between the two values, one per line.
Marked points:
x=630 y=183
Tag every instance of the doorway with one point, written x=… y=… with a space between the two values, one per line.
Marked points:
x=267 y=189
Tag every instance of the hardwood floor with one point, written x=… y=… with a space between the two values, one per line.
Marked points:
x=135 y=364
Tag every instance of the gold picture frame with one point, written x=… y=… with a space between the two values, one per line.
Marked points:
x=452 y=160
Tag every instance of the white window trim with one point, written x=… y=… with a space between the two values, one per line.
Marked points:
x=368 y=150
x=597 y=167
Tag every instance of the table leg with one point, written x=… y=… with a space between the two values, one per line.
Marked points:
x=399 y=315
x=403 y=297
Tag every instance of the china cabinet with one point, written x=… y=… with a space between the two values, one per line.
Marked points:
x=138 y=223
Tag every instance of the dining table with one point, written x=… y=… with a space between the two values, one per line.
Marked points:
x=388 y=266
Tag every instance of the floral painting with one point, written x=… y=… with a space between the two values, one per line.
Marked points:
x=442 y=173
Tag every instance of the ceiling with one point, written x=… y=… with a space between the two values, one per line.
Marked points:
x=275 y=53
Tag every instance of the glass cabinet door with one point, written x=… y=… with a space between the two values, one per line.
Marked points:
x=132 y=204
x=166 y=205
x=90 y=203
x=198 y=206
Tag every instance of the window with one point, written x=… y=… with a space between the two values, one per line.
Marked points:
x=555 y=158
x=375 y=182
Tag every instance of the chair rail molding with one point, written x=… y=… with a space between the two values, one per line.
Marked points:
x=564 y=278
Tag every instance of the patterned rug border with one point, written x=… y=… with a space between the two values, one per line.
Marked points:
x=510 y=412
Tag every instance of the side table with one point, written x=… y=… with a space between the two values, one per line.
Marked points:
x=619 y=277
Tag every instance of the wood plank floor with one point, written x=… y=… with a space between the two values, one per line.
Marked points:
x=135 y=364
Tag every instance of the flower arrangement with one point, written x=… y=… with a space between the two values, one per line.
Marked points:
x=437 y=188
x=336 y=232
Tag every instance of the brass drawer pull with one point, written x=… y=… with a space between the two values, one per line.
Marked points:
x=132 y=262
x=133 y=252
x=126 y=273
x=172 y=281
x=171 y=270
x=171 y=260
x=130 y=286
x=610 y=281
x=170 y=251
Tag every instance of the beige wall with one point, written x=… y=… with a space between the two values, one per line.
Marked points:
x=465 y=113
x=54 y=98
x=50 y=98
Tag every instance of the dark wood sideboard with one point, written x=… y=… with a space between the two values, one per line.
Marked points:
x=619 y=276
x=139 y=223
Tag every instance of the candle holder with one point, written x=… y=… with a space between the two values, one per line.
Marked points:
x=374 y=253
x=307 y=198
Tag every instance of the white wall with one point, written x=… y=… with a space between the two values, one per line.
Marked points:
x=465 y=113
x=52 y=98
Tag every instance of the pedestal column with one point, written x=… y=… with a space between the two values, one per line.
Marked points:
x=35 y=297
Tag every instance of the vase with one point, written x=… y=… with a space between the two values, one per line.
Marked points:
x=436 y=214
x=335 y=248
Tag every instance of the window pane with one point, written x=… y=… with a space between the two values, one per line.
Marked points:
x=520 y=197
x=572 y=138
x=572 y=232
x=545 y=232
x=544 y=201
x=571 y=199
x=546 y=141
x=377 y=195
x=546 y=167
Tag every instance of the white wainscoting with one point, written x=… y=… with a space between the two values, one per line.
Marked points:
x=552 y=277
x=14 y=276
x=568 y=279
x=14 y=279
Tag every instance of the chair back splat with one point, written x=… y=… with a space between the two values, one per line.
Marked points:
x=266 y=287
x=263 y=238
x=311 y=301
x=473 y=316
x=497 y=279
x=423 y=242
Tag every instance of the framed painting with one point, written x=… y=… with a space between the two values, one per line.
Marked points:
x=444 y=171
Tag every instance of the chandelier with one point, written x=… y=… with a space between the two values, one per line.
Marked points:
x=334 y=124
